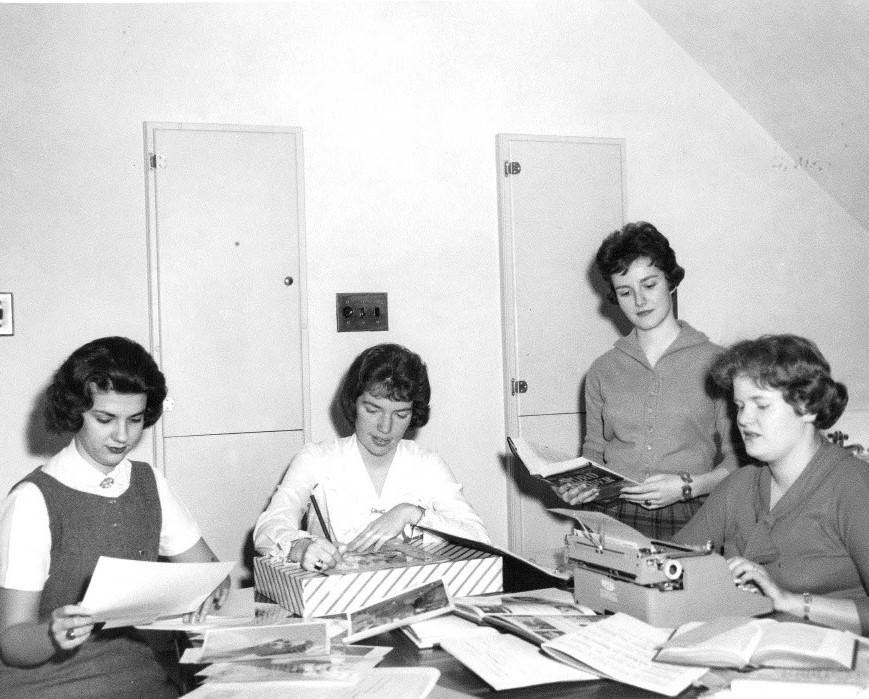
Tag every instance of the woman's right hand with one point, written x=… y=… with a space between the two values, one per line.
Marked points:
x=70 y=626
x=319 y=554
x=576 y=494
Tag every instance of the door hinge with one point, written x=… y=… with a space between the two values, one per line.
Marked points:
x=156 y=161
x=511 y=167
x=518 y=387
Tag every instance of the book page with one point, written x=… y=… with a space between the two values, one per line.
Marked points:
x=622 y=647
x=542 y=461
x=429 y=633
x=724 y=642
x=507 y=662
x=788 y=644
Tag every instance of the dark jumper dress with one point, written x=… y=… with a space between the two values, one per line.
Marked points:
x=84 y=526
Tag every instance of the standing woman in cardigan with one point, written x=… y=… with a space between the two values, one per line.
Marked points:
x=89 y=500
x=647 y=405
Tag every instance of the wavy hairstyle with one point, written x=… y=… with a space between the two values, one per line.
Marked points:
x=790 y=364
x=621 y=248
x=388 y=371
x=108 y=364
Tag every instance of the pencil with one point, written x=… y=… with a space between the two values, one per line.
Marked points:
x=323 y=524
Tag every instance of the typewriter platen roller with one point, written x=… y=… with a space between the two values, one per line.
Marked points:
x=617 y=569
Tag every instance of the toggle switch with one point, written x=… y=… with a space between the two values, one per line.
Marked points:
x=361 y=312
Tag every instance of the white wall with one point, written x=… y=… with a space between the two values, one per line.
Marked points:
x=400 y=104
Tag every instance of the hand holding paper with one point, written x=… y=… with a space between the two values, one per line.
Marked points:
x=124 y=592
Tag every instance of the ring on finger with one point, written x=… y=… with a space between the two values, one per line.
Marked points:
x=70 y=634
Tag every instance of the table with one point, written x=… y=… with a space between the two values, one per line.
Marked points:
x=457 y=678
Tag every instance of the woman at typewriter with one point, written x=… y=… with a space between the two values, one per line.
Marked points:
x=796 y=525
x=373 y=486
x=647 y=407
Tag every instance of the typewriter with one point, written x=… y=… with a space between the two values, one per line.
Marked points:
x=618 y=569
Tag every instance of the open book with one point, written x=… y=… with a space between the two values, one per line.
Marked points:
x=742 y=642
x=536 y=616
x=559 y=469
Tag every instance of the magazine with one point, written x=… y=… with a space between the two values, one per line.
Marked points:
x=559 y=469
x=539 y=628
x=536 y=616
x=546 y=602
x=743 y=642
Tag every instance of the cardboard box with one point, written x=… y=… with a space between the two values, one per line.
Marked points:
x=465 y=571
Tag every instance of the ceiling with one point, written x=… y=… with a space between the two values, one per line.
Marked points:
x=800 y=68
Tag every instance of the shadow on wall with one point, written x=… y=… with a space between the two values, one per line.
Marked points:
x=41 y=442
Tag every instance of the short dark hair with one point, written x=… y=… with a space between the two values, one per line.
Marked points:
x=108 y=364
x=790 y=364
x=621 y=248
x=389 y=371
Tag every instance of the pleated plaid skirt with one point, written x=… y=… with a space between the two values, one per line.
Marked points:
x=661 y=524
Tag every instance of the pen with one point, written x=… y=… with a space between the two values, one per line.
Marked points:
x=323 y=524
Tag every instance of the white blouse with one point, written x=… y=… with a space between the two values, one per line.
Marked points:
x=25 y=536
x=335 y=473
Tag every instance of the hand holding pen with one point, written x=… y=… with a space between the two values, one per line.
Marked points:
x=319 y=554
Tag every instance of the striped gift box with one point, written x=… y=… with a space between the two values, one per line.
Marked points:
x=464 y=571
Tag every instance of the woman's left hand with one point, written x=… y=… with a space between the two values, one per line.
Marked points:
x=659 y=490
x=214 y=601
x=388 y=526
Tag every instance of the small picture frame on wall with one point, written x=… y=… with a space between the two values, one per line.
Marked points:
x=7 y=324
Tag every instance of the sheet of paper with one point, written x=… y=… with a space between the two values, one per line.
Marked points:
x=622 y=647
x=507 y=662
x=125 y=593
x=427 y=634
x=380 y=683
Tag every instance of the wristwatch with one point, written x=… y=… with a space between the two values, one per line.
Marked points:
x=687 y=490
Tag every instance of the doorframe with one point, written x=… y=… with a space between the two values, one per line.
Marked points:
x=508 y=303
x=153 y=255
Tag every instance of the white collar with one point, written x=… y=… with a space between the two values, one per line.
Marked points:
x=70 y=468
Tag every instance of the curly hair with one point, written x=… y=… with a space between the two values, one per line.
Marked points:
x=621 y=248
x=790 y=364
x=389 y=371
x=107 y=364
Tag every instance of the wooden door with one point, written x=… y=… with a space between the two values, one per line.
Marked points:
x=228 y=321
x=559 y=197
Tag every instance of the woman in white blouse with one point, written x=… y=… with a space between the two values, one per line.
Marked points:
x=373 y=486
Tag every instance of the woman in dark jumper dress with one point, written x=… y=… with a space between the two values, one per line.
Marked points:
x=89 y=500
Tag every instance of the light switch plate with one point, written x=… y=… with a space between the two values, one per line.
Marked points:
x=361 y=312
x=7 y=324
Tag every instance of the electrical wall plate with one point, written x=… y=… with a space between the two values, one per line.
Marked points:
x=7 y=320
x=361 y=312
